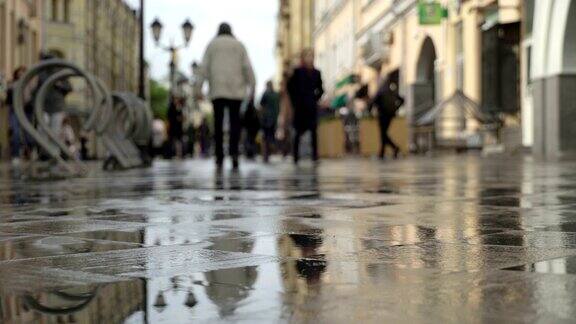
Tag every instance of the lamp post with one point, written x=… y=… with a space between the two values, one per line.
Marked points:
x=187 y=29
x=142 y=63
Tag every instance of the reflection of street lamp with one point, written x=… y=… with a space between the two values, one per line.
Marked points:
x=187 y=29
x=160 y=302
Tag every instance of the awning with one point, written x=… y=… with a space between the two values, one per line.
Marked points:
x=339 y=101
x=350 y=79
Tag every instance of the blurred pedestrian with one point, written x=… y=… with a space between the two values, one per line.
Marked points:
x=227 y=68
x=251 y=125
x=159 y=138
x=68 y=136
x=284 y=132
x=270 y=108
x=205 y=137
x=176 y=126
x=387 y=101
x=305 y=89
x=55 y=102
x=17 y=138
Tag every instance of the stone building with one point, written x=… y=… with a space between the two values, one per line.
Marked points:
x=550 y=78
x=20 y=43
x=99 y=36
x=335 y=40
x=294 y=33
x=435 y=50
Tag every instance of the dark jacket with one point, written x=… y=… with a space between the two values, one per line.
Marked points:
x=270 y=104
x=250 y=120
x=175 y=120
x=387 y=101
x=305 y=90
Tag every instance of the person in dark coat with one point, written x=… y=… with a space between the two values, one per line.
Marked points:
x=175 y=126
x=305 y=90
x=387 y=101
x=15 y=134
x=270 y=108
x=251 y=125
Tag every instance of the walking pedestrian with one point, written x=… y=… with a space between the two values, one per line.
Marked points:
x=55 y=102
x=284 y=133
x=17 y=138
x=305 y=89
x=270 y=108
x=387 y=101
x=251 y=125
x=227 y=68
x=176 y=126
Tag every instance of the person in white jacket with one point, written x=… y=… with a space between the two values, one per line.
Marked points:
x=227 y=69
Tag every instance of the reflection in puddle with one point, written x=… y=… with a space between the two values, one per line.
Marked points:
x=555 y=266
x=343 y=242
x=113 y=303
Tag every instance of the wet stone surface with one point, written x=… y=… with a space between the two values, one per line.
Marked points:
x=450 y=240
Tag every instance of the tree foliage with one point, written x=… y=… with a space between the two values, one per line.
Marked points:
x=159 y=100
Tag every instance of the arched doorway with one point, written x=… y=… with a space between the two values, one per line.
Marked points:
x=424 y=89
x=569 y=50
x=553 y=79
x=423 y=97
x=567 y=87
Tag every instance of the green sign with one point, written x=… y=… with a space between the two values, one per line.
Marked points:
x=431 y=12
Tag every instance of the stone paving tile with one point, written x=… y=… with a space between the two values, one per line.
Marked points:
x=434 y=240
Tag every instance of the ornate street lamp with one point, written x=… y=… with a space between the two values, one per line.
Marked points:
x=187 y=28
x=156 y=30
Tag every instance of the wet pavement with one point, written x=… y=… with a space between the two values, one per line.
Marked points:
x=459 y=239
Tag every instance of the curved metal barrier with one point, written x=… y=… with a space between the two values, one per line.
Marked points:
x=122 y=120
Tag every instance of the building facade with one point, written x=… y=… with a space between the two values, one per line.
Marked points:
x=100 y=36
x=550 y=42
x=294 y=33
x=334 y=40
x=20 y=43
x=467 y=48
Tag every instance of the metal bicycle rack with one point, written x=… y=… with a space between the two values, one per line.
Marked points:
x=122 y=120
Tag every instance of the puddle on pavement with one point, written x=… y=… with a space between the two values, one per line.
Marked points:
x=260 y=293
x=338 y=244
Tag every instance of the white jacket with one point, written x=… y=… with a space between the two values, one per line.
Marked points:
x=227 y=68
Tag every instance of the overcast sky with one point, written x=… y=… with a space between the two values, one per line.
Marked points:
x=253 y=22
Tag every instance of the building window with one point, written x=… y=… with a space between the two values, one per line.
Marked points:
x=3 y=37
x=528 y=17
x=460 y=67
x=67 y=11
x=54 y=10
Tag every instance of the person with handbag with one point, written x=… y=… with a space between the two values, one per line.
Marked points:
x=387 y=101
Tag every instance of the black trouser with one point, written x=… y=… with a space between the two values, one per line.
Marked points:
x=269 y=140
x=385 y=122
x=234 y=115
x=314 y=138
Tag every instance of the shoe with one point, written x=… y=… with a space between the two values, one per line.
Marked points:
x=219 y=165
